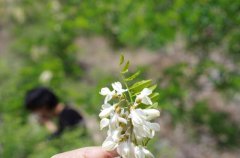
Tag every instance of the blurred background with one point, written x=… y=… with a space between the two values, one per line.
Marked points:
x=190 y=48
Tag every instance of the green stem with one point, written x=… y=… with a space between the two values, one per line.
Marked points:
x=129 y=93
x=146 y=142
x=132 y=136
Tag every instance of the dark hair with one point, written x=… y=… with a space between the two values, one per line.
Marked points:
x=40 y=97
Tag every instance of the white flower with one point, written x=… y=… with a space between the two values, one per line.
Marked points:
x=125 y=121
x=117 y=86
x=114 y=126
x=112 y=139
x=141 y=152
x=116 y=119
x=104 y=123
x=109 y=144
x=46 y=76
x=142 y=127
x=107 y=109
x=126 y=149
x=106 y=92
x=114 y=131
x=151 y=113
x=143 y=96
x=118 y=90
x=115 y=134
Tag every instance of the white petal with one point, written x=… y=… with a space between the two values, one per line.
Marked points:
x=105 y=106
x=138 y=152
x=152 y=134
x=109 y=145
x=147 y=131
x=125 y=149
x=140 y=132
x=136 y=120
x=113 y=125
x=117 y=86
x=146 y=92
x=107 y=98
x=122 y=120
x=146 y=100
x=151 y=113
x=105 y=112
x=141 y=152
x=114 y=119
x=105 y=91
x=141 y=114
x=147 y=153
x=153 y=126
x=104 y=123
x=139 y=139
x=116 y=135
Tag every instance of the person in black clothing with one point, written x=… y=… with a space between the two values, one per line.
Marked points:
x=43 y=102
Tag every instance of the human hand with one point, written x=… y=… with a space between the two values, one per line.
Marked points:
x=51 y=127
x=88 y=152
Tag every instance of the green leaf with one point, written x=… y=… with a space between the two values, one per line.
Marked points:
x=133 y=76
x=123 y=72
x=139 y=86
x=153 y=87
x=125 y=68
x=154 y=97
x=121 y=59
x=154 y=106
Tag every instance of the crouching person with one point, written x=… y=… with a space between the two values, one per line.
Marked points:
x=45 y=104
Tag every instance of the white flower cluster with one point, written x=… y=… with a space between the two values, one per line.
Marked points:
x=129 y=126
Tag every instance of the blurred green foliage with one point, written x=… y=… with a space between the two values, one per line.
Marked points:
x=44 y=37
x=224 y=131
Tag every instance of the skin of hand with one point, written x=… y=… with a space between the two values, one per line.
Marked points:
x=87 y=152
x=51 y=127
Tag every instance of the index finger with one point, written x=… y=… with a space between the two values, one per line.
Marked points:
x=88 y=152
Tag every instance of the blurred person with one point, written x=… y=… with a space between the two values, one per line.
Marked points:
x=45 y=104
